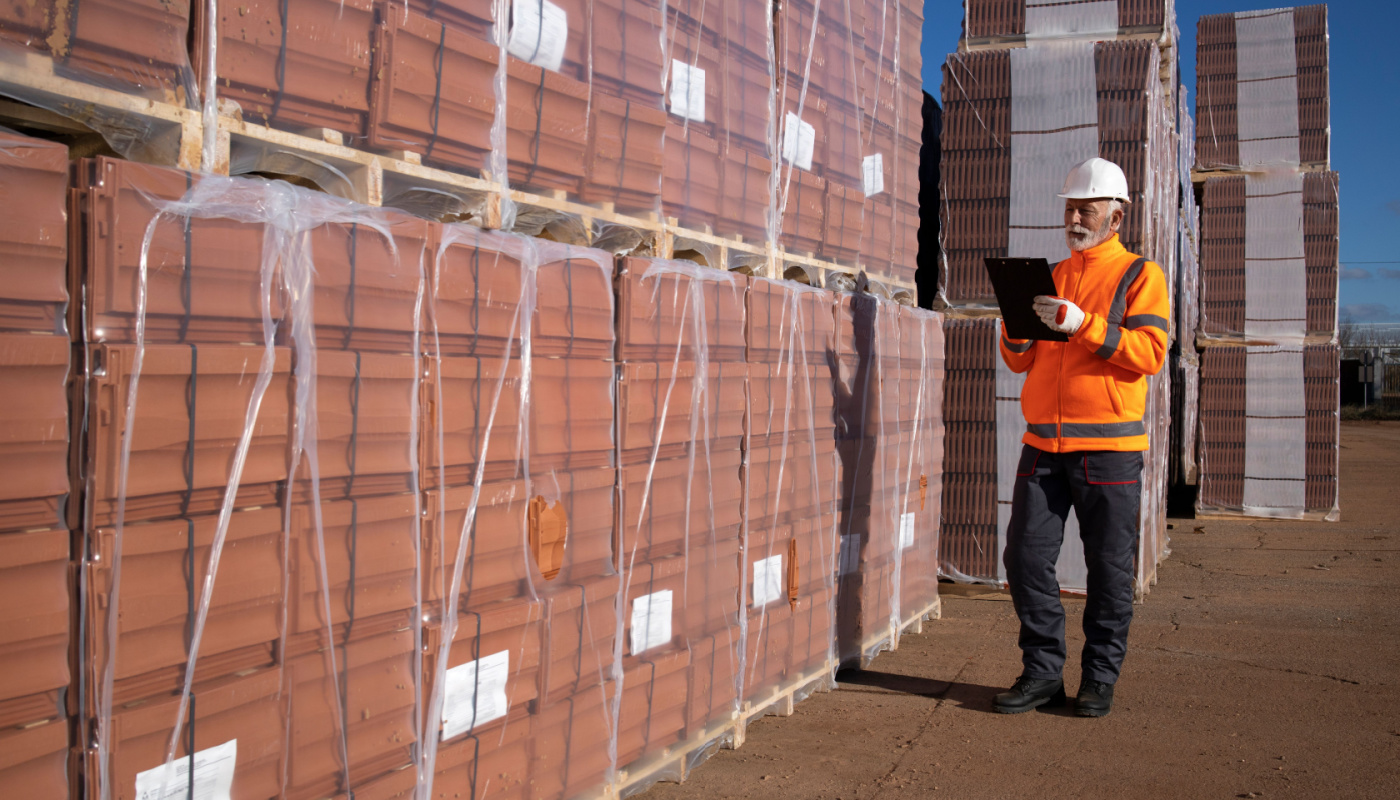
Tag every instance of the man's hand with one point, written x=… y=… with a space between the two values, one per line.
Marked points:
x=1058 y=314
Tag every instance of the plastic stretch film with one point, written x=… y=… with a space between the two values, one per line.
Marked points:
x=1262 y=89
x=1269 y=427
x=385 y=506
x=1010 y=136
x=1269 y=258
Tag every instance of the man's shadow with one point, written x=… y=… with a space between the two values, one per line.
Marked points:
x=970 y=696
x=855 y=383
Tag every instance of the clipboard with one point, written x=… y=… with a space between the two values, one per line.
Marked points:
x=1017 y=282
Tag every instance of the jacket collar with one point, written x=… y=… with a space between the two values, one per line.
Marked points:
x=1100 y=254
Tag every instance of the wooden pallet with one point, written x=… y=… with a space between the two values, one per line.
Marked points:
x=173 y=135
x=1203 y=175
x=731 y=733
x=1205 y=341
x=156 y=130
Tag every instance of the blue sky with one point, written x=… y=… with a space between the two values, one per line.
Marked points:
x=1365 y=130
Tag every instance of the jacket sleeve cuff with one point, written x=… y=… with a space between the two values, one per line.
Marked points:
x=1092 y=332
x=1017 y=346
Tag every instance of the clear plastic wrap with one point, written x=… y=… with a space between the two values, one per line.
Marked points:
x=381 y=506
x=1268 y=266
x=1017 y=120
x=1262 y=89
x=1269 y=428
x=882 y=390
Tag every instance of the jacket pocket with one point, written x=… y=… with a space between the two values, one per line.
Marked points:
x=1030 y=456
x=1110 y=468
x=1114 y=397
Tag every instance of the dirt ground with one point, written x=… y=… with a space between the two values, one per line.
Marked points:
x=1263 y=664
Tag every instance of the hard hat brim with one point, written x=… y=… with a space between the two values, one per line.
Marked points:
x=1067 y=196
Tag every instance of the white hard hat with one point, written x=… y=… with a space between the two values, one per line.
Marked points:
x=1095 y=178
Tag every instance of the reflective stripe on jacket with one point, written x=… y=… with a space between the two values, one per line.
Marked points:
x=1090 y=393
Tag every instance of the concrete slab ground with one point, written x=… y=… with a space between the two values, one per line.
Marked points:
x=1265 y=663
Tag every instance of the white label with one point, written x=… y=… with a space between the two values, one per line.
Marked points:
x=213 y=776
x=850 y=555
x=475 y=694
x=906 y=531
x=767 y=580
x=687 y=91
x=872 y=174
x=651 y=621
x=538 y=33
x=799 y=139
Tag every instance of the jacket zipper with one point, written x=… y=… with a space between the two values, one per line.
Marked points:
x=1060 y=376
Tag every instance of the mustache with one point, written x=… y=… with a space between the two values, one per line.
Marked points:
x=1080 y=230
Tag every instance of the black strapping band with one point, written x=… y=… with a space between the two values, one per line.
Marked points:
x=437 y=90
x=191 y=398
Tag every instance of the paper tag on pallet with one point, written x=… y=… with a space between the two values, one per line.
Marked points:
x=906 y=531
x=850 y=555
x=687 y=91
x=213 y=776
x=799 y=140
x=651 y=621
x=538 y=33
x=767 y=580
x=872 y=174
x=475 y=694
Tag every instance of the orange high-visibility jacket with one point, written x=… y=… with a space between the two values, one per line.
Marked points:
x=1090 y=393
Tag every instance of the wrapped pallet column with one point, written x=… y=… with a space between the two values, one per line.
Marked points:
x=1016 y=120
x=1268 y=285
x=875 y=456
x=681 y=426
x=35 y=590
x=717 y=179
x=521 y=586
x=791 y=508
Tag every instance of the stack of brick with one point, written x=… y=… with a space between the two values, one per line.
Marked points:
x=1268 y=266
x=719 y=159
x=1186 y=366
x=791 y=479
x=172 y=306
x=1077 y=81
x=681 y=416
x=868 y=442
x=35 y=590
x=520 y=585
x=890 y=86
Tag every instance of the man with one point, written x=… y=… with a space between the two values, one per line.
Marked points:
x=1083 y=402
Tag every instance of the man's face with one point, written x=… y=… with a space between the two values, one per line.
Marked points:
x=1089 y=223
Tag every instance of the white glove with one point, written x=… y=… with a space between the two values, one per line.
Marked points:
x=1058 y=314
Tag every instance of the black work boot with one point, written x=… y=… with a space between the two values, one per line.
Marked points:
x=1030 y=693
x=1095 y=698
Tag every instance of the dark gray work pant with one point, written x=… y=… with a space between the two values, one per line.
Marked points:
x=1105 y=490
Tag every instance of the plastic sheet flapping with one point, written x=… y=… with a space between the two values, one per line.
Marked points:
x=51 y=51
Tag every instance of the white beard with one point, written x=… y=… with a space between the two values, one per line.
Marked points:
x=1080 y=238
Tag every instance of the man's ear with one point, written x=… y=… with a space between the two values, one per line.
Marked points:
x=1115 y=219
